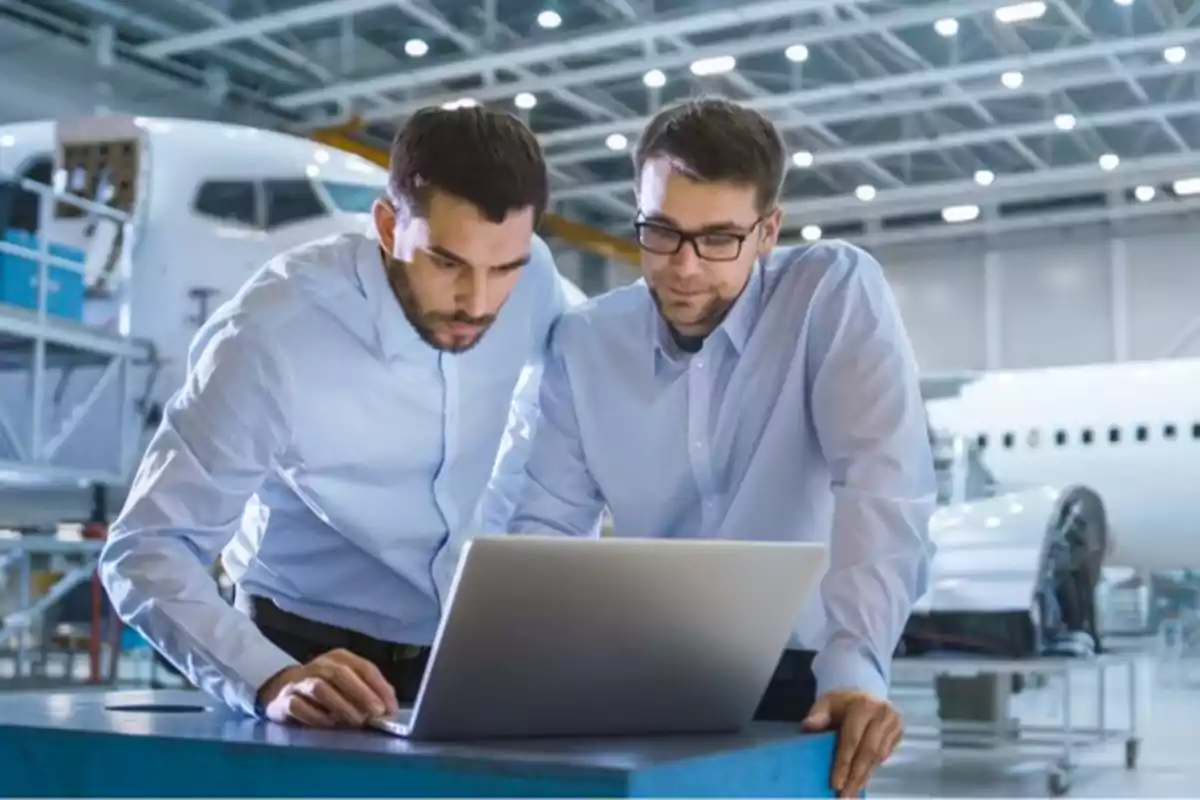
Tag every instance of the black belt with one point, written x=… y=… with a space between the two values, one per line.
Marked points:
x=377 y=650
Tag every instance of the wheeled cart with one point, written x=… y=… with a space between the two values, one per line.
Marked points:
x=974 y=717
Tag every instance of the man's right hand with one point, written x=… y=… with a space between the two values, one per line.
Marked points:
x=335 y=690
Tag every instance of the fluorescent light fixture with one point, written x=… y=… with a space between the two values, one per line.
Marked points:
x=1065 y=122
x=866 y=193
x=803 y=159
x=655 y=78
x=797 y=53
x=7 y=140
x=416 y=48
x=525 y=100
x=1013 y=80
x=985 y=177
x=549 y=19
x=1175 y=55
x=1109 y=162
x=1186 y=186
x=713 y=66
x=1021 y=12
x=811 y=233
x=954 y=214
x=1144 y=194
x=462 y=102
x=616 y=141
x=1123 y=2
x=946 y=27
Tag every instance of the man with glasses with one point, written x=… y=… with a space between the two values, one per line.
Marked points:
x=745 y=390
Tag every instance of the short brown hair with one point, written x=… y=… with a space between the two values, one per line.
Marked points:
x=716 y=140
x=486 y=157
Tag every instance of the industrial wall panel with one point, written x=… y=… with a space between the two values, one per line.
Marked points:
x=940 y=291
x=1164 y=295
x=1056 y=305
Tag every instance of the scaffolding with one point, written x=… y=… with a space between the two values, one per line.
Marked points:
x=66 y=383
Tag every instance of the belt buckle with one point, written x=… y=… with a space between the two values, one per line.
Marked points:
x=404 y=652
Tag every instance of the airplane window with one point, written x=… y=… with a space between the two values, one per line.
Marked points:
x=355 y=198
x=1086 y=436
x=1168 y=431
x=1141 y=433
x=230 y=201
x=1033 y=439
x=1114 y=434
x=982 y=441
x=1060 y=438
x=291 y=201
x=1196 y=431
x=1009 y=440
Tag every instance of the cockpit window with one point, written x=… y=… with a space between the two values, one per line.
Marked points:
x=353 y=198
x=291 y=201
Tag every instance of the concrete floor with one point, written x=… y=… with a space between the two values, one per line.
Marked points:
x=1168 y=697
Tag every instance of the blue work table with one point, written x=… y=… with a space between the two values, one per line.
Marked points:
x=176 y=743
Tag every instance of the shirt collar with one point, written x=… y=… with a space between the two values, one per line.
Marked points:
x=396 y=334
x=736 y=327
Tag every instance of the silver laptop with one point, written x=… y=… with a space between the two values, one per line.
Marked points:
x=560 y=636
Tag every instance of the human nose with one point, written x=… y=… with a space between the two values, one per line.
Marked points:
x=473 y=294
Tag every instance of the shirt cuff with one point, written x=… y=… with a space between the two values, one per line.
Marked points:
x=841 y=666
x=253 y=672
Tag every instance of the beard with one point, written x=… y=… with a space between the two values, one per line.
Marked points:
x=426 y=323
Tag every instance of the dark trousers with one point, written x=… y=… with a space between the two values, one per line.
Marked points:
x=788 y=698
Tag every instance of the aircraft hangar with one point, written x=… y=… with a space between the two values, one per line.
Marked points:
x=977 y=234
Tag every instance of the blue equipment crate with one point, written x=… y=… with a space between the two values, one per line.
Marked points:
x=19 y=278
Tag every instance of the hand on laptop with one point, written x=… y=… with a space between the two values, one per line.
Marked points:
x=869 y=730
x=334 y=690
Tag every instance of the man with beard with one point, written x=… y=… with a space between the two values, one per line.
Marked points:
x=339 y=421
x=745 y=390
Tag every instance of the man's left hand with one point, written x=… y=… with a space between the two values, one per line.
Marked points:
x=869 y=730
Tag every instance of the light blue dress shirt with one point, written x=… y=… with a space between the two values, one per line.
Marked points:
x=328 y=451
x=800 y=419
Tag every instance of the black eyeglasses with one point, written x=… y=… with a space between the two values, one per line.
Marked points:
x=663 y=240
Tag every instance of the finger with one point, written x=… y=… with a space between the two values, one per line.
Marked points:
x=849 y=736
x=369 y=674
x=323 y=693
x=364 y=700
x=303 y=711
x=894 y=736
x=869 y=754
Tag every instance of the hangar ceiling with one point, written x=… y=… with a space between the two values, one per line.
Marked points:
x=902 y=117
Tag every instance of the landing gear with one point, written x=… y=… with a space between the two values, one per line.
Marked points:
x=1132 y=750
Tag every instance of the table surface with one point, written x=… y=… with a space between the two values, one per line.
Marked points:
x=192 y=715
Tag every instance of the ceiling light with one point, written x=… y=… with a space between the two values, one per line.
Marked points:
x=416 y=48
x=1021 y=12
x=1144 y=194
x=713 y=66
x=953 y=214
x=525 y=100
x=1012 y=80
x=1065 y=122
x=985 y=177
x=655 y=78
x=549 y=19
x=811 y=233
x=797 y=53
x=866 y=193
x=1175 y=55
x=946 y=27
x=1186 y=186
x=1109 y=162
x=7 y=140
x=616 y=141
x=803 y=159
x=1123 y=2
x=462 y=102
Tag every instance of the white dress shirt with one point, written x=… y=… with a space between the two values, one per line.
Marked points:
x=800 y=418
x=327 y=450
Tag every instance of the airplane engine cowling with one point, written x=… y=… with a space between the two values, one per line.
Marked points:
x=1013 y=576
